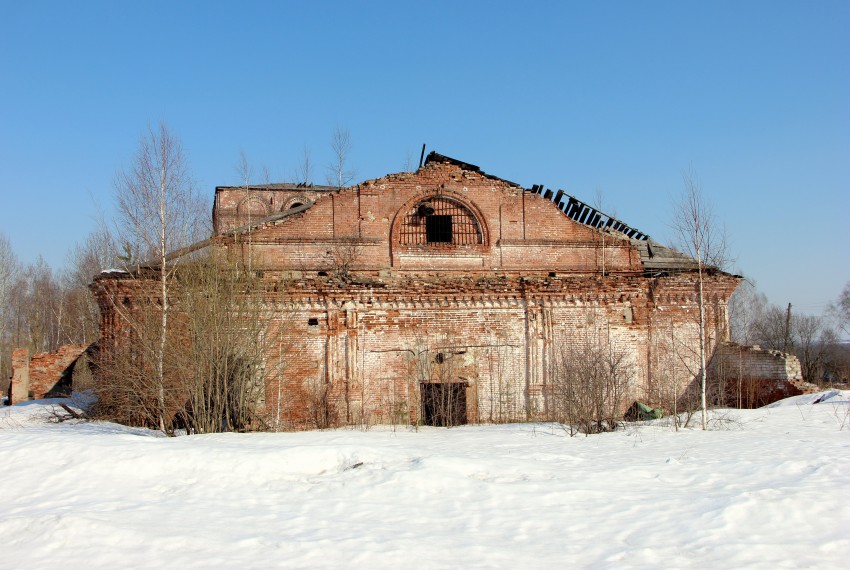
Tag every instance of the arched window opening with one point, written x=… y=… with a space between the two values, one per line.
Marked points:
x=440 y=220
x=294 y=202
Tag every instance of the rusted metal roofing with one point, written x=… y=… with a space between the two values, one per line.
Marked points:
x=289 y=186
x=654 y=256
x=582 y=213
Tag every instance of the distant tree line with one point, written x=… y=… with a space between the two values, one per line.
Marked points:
x=42 y=308
x=814 y=339
x=158 y=211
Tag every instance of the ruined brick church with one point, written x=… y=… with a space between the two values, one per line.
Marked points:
x=451 y=283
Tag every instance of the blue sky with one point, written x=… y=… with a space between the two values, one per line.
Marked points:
x=619 y=97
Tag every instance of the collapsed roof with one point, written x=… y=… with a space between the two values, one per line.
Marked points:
x=655 y=257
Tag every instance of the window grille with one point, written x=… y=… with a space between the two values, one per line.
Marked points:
x=440 y=220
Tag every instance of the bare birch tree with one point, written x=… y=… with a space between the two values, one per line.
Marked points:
x=589 y=383
x=699 y=235
x=245 y=173
x=840 y=309
x=9 y=268
x=158 y=212
x=85 y=261
x=304 y=172
x=339 y=173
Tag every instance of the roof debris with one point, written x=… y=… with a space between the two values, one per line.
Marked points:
x=580 y=212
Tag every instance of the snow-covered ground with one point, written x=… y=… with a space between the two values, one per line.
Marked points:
x=767 y=488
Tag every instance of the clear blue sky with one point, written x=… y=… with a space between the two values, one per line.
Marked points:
x=616 y=96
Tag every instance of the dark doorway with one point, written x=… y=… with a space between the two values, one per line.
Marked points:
x=438 y=229
x=443 y=404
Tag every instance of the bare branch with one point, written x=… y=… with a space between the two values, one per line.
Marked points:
x=304 y=172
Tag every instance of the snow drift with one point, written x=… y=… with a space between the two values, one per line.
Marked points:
x=766 y=488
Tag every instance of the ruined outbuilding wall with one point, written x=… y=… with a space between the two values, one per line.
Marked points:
x=44 y=373
x=759 y=363
x=20 y=386
x=751 y=376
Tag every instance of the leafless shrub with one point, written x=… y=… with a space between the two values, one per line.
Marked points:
x=589 y=384
x=725 y=420
x=63 y=412
x=504 y=403
x=841 y=411
x=227 y=321
x=342 y=257
x=128 y=388
x=304 y=171
x=214 y=359
x=320 y=410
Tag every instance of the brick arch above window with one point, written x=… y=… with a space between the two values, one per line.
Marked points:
x=294 y=202
x=439 y=220
x=254 y=205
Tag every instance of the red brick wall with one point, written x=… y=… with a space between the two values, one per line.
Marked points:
x=523 y=231
x=43 y=373
x=498 y=336
x=20 y=385
x=496 y=312
x=751 y=376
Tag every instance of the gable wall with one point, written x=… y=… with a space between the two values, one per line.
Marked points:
x=233 y=204
x=523 y=232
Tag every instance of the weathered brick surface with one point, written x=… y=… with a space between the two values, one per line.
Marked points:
x=20 y=386
x=46 y=373
x=491 y=315
x=751 y=376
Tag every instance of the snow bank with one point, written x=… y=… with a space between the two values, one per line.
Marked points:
x=768 y=492
x=840 y=397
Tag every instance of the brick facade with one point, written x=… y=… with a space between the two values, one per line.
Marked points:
x=448 y=275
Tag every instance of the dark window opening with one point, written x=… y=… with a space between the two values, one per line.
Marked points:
x=444 y=404
x=313 y=322
x=552 y=274
x=440 y=220
x=323 y=273
x=438 y=229
x=296 y=205
x=439 y=358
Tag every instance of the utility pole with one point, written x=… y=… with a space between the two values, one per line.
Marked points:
x=787 y=339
